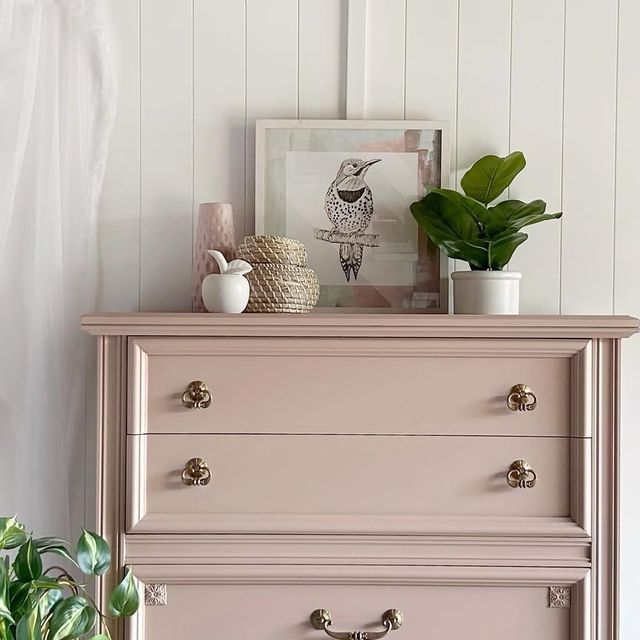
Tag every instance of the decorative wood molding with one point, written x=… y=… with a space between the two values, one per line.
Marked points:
x=559 y=597
x=356 y=59
x=155 y=594
x=309 y=549
x=360 y=325
x=361 y=575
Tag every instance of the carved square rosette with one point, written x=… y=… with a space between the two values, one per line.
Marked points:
x=155 y=594
x=560 y=597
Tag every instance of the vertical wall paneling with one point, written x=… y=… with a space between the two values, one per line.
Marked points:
x=627 y=300
x=482 y=125
x=536 y=129
x=589 y=156
x=271 y=75
x=322 y=51
x=356 y=58
x=166 y=154
x=218 y=105
x=483 y=80
x=385 y=68
x=432 y=64
x=119 y=209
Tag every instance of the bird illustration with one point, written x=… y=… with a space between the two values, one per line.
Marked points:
x=349 y=207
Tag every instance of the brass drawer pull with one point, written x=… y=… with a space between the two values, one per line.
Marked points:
x=522 y=398
x=197 y=396
x=196 y=473
x=392 y=619
x=521 y=475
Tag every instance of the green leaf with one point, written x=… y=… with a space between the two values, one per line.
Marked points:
x=5 y=612
x=124 y=600
x=474 y=209
x=501 y=250
x=5 y=631
x=54 y=545
x=491 y=175
x=48 y=601
x=28 y=564
x=12 y=533
x=44 y=582
x=29 y=627
x=99 y=637
x=513 y=215
x=442 y=217
x=94 y=555
x=71 y=618
x=19 y=597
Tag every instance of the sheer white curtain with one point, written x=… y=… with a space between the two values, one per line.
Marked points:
x=56 y=105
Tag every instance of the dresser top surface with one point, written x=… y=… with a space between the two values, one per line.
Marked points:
x=359 y=325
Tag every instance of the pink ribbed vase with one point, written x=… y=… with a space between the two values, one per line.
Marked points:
x=214 y=231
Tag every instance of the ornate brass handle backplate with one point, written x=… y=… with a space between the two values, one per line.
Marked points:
x=521 y=475
x=522 y=398
x=196 y=473
x=197 y=396
x=392 y=619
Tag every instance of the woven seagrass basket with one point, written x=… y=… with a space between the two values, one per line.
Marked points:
x=280 y=288
x=272 y=250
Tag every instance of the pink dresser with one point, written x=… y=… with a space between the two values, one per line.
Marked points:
x=293 y=478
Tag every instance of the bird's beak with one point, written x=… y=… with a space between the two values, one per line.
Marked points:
x=366 y=165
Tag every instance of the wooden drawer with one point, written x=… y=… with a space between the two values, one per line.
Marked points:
x=360 y=386
x=444 y=603
x=358 y=484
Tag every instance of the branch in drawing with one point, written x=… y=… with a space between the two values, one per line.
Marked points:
x=338 y=237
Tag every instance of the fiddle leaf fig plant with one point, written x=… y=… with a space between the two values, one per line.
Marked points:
x=39 y=602
x=465 y=227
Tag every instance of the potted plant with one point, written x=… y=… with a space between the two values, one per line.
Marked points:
x=465 y=227
x=38 y=603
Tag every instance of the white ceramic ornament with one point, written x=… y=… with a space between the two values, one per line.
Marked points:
x=227 y=291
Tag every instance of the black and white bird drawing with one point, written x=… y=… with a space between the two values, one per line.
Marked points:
x=349 y=207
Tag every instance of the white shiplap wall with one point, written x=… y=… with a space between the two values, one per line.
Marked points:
x=559 y=79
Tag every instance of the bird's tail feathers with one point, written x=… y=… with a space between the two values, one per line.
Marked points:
x=350 y=259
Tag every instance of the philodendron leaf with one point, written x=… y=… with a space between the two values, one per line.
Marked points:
x=28 y=563
x=124 y=600
x=99 y=637
x=29 y=626
x=19 y=598
x=54 y=545
x=12 y=533
x=94 y=556
x=48 y=601
x=71 y=618
x=5 y=611
x=491 y=175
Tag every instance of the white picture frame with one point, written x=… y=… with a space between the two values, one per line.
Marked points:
x=281 y=156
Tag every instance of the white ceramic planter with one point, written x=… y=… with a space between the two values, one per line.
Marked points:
x=486 y=292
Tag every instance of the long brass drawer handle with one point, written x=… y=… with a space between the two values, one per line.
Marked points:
x=522 y=398
x=197 y=396
x=521 y=475
x=196 y=473
x=392 y=619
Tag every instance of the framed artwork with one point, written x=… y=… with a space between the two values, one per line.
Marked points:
x=343 y=188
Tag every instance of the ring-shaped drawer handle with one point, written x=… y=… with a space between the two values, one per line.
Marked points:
x=392 y=619
x=197 y=396
x=521 y=475
x=521 y=398
x=196 y=473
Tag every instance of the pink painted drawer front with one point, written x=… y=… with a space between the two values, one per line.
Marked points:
x=275 y=603
x=326 y=385
x=358 y=484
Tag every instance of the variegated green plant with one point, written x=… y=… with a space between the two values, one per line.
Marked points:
x=39 y=602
